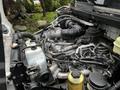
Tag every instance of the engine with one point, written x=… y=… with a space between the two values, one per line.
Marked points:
x=69 y=54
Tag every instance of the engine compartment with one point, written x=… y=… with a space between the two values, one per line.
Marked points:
x=69 y=54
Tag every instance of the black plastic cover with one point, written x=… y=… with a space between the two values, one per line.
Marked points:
x=97 y=81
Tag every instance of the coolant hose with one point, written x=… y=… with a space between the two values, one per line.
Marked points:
x=70 y=17
x=71 y=32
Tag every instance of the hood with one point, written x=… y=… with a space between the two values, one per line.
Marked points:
x=107 y=3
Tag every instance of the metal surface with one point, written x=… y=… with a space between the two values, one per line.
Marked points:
x=7 y=38
x=35 y=57
x=2 y=62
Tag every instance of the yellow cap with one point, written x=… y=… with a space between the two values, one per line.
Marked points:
x=75 y=80
x=117 y=42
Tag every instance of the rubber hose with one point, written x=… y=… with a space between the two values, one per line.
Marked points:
x=116 y=86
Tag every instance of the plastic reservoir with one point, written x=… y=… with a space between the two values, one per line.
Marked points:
x=75 y=83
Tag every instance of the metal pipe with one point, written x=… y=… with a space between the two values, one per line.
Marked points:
x=53 y=68
x=61 y=75
x=56 y=72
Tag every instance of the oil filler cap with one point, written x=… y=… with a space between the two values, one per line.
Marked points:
x=75 y=74
x=97 y=81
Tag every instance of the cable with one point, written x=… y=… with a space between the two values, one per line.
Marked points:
x=85 y=60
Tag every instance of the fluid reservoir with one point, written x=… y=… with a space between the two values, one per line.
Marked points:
x=75 y=81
